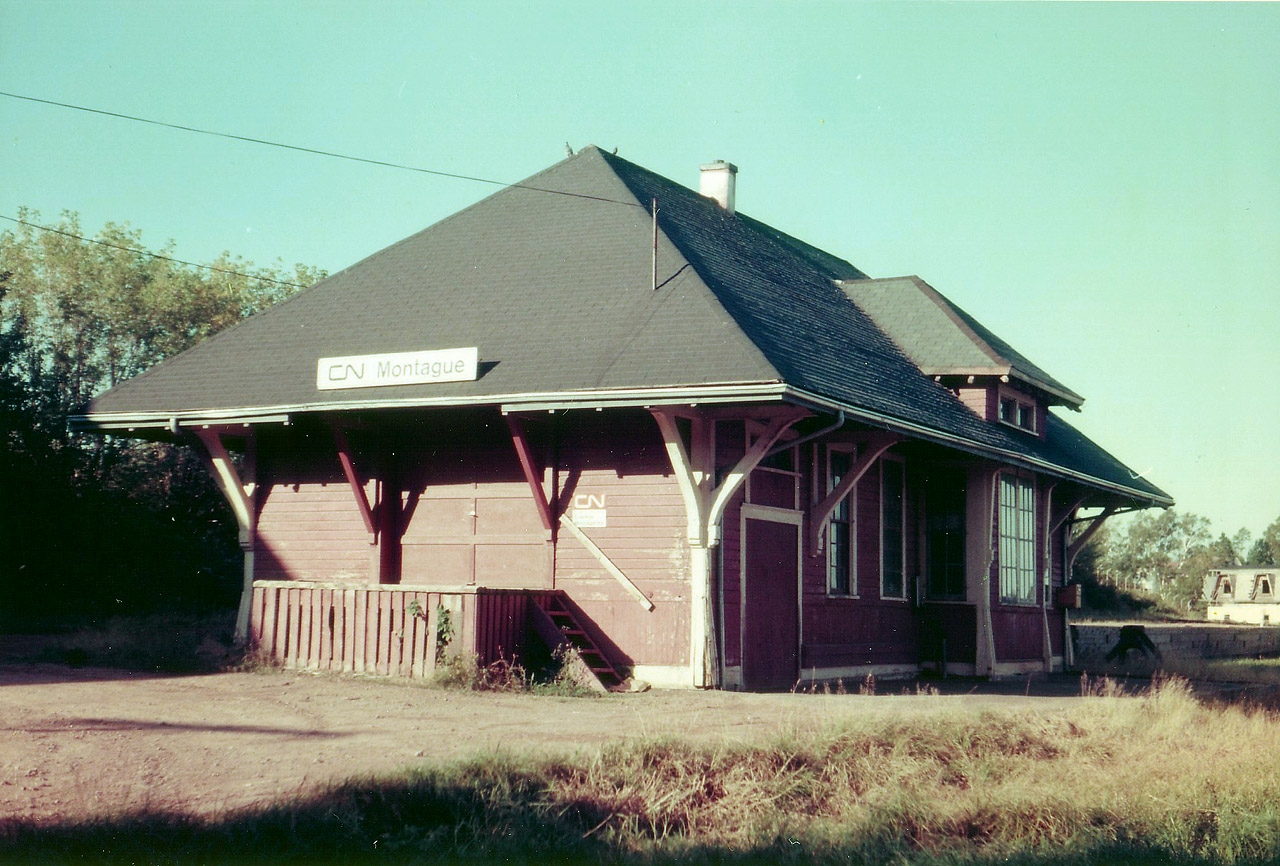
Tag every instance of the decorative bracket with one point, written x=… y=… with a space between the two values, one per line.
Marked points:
x=703 y=506
x=820 y=513
x=228 y=481
x=357 y=488
x=531 y=472
x=1076 y=546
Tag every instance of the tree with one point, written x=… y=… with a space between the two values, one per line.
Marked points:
x=1271 y=538
x=1260 y=554
x=1164 y=553
x=97 y=520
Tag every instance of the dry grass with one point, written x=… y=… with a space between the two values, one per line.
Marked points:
x=1153 y=778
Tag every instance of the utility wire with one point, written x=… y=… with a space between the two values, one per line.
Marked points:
x=151 y=254
x=317 y=151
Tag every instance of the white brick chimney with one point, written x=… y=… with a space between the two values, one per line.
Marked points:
x=717 y=182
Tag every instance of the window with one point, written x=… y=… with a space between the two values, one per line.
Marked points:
x=841 y=572
x=1264 y=585
x=1226 y=587
x=1017 y=412
x=944 y=503
x=1017 y=540
x=892 y=534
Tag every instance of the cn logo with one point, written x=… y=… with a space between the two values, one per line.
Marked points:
x=343 y=372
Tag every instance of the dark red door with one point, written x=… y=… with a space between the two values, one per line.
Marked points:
x=771 y=615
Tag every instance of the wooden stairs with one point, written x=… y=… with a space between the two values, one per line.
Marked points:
x=558 y=626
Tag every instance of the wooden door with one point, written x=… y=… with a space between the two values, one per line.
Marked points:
x=771 y=604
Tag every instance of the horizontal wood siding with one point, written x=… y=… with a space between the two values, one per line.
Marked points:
x=618 y=465
x=470 y=518
x=310 y=528
x=866 y=630
x=373 y=629
x=980 y=400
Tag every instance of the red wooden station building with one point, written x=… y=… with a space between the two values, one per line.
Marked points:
x=712 y=454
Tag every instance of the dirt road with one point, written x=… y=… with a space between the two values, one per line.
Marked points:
x=82 y=742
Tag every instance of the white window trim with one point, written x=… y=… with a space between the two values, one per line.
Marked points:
x=1020 y=400
x=902 y=528
x=852 y=499
x=1017 y=543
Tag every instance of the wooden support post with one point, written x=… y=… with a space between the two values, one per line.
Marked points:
x=986 y=656
x=704 y=508
x=240 y=496
x=1047 y=582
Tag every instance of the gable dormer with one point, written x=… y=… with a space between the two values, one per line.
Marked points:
x=988 y=375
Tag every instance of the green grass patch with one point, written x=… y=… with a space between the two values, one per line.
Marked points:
x=1154 y=778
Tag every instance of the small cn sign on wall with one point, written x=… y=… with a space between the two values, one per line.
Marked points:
x=588 y=511
x=397 y=368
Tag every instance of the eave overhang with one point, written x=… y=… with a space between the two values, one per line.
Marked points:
x=1005 y=373
x=165 y=424
x=960 y=443
x=159 y=421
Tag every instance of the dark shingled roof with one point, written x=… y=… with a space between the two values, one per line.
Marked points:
x=943 y=339
x=556 y=292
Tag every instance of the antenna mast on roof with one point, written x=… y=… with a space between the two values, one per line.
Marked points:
x=655 y=244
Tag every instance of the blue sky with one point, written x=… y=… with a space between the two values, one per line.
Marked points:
x=1099 y=183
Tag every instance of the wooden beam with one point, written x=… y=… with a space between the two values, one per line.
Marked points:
x=357 y=488
x=609 y=566
x=531 y=471
x=690 y=490
x=228 y=480
x=819 y=514
x=1074 y=550
x=749 y=461
x=1066 y=515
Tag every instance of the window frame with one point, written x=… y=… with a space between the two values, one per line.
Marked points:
x=901 y=528
x=1017 y=410
x=850 y=505
x=1016 y=533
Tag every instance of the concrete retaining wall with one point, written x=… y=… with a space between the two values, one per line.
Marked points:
x=1092 y=641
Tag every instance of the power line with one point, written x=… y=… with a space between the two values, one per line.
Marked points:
x=316 y=151
x=151 y=254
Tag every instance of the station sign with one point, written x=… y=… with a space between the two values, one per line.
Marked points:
x=397 y=368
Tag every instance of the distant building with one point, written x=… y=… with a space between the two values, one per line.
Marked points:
x=1243 y=595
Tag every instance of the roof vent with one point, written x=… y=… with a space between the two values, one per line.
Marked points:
x=718 y=181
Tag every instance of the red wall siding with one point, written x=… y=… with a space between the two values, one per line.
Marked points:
x=471 y=519
x=866 y=630
x=620 y=460
x=979 y=400
x=309 y=526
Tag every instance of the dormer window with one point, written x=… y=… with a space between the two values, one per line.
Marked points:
x=1017 y=411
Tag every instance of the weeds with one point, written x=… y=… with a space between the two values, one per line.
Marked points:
x=165 y=643
x=466 y=673
x=1154 y=777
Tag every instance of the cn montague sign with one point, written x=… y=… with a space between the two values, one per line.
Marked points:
x=398 y=368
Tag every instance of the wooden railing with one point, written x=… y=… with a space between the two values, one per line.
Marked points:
x=392 y=630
